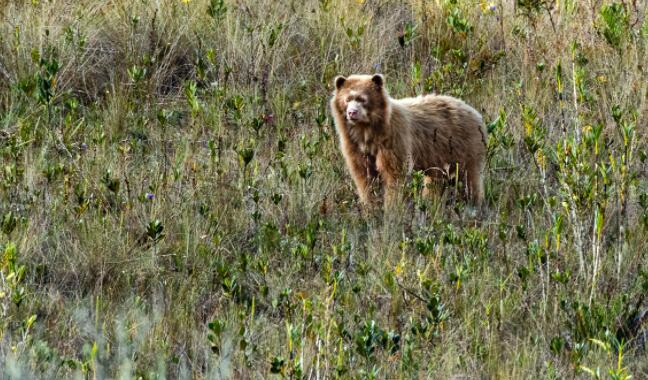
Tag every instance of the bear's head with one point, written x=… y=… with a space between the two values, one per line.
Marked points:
x=361 y=99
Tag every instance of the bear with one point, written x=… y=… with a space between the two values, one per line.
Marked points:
x=383 y=140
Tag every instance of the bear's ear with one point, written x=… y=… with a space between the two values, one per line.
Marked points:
x=339 y=82
x=378 y=79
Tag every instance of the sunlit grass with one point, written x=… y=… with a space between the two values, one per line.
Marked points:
x=173 y=203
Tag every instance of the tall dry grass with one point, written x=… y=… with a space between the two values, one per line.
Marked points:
x=173 y=203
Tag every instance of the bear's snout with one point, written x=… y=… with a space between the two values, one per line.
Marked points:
x=354 y=111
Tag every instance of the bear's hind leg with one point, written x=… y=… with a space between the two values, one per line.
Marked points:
x=432 y=187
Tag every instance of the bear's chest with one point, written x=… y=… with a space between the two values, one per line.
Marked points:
x=366 y=139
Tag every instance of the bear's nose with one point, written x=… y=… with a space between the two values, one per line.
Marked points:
x=353 y=114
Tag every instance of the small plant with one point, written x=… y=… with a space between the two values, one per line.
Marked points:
x=46 y=76
x=154 y=231
x=12 y=275
x=235 y=105
x=173 y=203
x=216 y=329
x=613 y=24
x=137 y=73
x=458 y=23
x=74 y=36
x=245 y=153
x=415 y=74
x=610 y=346
x=273 y=35
x=534 y=131
x=355 y=35
x=110 y=182
x=408 y=34
x=217 y=9
x=644 y=30
x=278 y=364
x=371 y=337
x=530 y=7
x=192 y=99
x=9 y=222
x=643 y=202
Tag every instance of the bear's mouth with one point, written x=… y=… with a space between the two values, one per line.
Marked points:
x=353 y=120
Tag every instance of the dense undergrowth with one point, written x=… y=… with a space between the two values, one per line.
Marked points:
x=173 y=203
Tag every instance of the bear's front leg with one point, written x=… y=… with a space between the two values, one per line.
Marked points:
x=361 y=170
x=393 y=170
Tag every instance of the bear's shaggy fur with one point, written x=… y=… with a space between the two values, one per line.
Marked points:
x=384 y=138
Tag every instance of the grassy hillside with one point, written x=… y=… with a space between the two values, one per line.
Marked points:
x=173 y=203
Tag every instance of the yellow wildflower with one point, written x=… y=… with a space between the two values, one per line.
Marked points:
x=487 y=6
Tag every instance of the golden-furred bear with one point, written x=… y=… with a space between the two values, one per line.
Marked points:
x=385 y=139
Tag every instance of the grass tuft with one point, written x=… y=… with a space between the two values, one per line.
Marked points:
x=173 y=203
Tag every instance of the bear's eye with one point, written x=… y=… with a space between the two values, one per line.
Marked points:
x=362 y=99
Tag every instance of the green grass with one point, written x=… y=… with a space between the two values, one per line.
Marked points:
x=173 y=203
